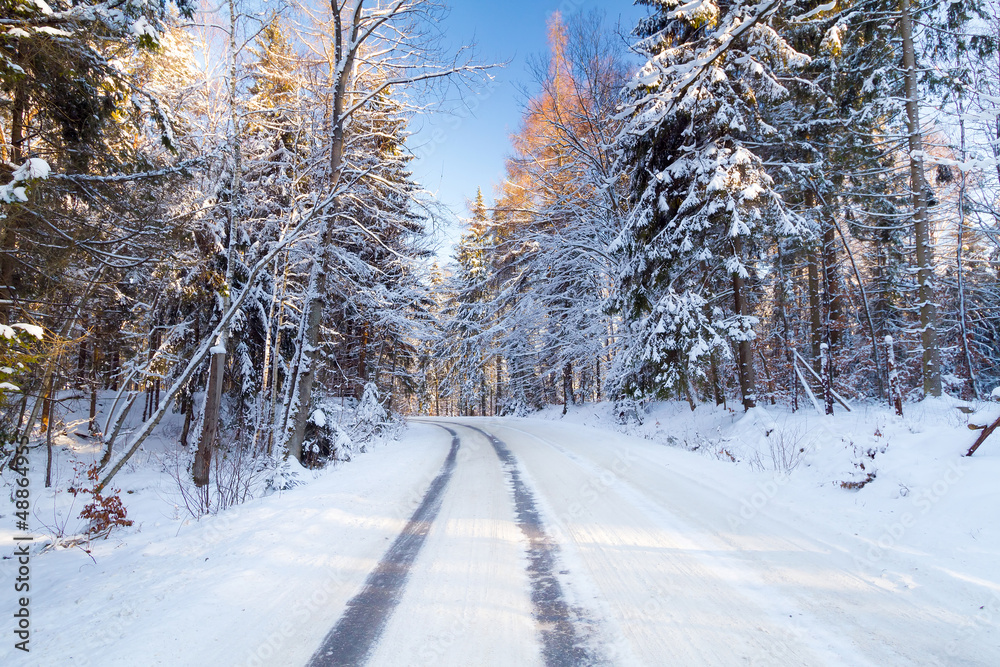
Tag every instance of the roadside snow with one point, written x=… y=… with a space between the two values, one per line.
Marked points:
x=783 y=537
x=263 y=579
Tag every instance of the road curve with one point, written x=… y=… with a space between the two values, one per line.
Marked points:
x=549 y=544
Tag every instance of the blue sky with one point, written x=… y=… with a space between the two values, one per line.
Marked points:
x=464 y=148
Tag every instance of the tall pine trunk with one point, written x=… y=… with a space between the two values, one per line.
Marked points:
x=216 y=373
x=832 y=288
x=815 y=306
x=962 y=310
x=931 y=364
x=748 y=376
x=567 y=385
x=310 y=354
x=498 y=392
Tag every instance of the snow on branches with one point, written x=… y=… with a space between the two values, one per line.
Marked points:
x=704 y=204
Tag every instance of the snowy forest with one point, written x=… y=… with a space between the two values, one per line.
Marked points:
x=211 y=216
x=784 y=202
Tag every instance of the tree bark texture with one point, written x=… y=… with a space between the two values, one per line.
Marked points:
x=931 y=363
x=748 y=376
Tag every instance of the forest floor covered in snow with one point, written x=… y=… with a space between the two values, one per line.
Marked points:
x=872 y=534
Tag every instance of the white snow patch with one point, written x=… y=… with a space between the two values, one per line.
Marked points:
x=142 y=27
x=55 y=32
x=34 y=167
x=30 y=329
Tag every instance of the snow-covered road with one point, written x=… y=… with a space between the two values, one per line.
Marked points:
x=558 y=547
x=508 y=542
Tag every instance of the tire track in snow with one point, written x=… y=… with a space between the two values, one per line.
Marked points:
x=806 y=631
x=562 y=644
x=352 y=639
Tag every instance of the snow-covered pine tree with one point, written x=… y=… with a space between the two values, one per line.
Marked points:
x=380 y=307
x=466 y=343
x=275 y=175
x=705 y=208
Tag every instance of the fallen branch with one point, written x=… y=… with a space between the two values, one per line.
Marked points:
x=982 y=437
x=805 y=385
x=840 y=399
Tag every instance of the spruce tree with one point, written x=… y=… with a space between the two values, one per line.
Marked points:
x=705 y=206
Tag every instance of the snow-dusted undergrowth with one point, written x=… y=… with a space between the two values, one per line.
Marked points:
x=156 y=486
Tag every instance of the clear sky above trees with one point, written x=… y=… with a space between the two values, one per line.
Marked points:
x=464 y=148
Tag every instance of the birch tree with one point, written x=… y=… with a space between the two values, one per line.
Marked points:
x=371 y=47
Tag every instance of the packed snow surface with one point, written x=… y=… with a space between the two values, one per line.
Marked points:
x=711 y=537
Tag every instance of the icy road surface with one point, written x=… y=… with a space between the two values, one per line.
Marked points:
x=557 y=547
x=509 y=542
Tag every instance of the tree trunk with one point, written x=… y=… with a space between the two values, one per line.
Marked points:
x=8 y=239
x=827 y=378
x=748 y=376
x=832 y=287
x=482 y=393
x=47 y=408
x=498 y=392
x=187 y=406
x=815 y=307
x=688 y=389
x=962 y=315
x=19 y=108
x=310 y=353
x=597 y=379
x=713 y=360
x=213 y=395
x=82 y=359
x=567 y=386
x=210 y=421
x=93 y=409
x=895 y=391
x=363 y=360
x=48 y=436
x=95 y=387
x=931 y=363
x=116 y=367
x=786 y=330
